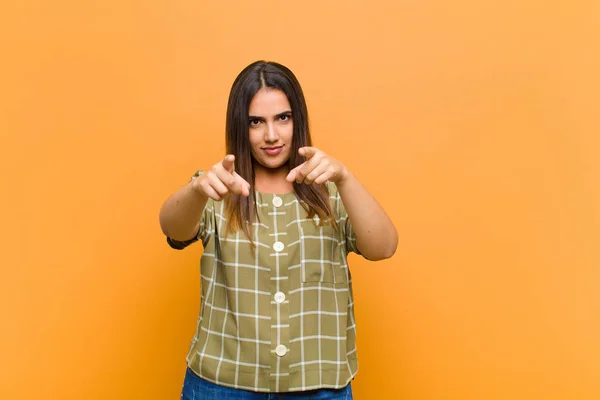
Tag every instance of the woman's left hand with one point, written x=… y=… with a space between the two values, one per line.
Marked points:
x=318 y=168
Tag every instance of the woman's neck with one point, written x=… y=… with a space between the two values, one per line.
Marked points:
x=269 y=180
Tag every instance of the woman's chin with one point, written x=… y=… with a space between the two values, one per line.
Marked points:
x=273 y=164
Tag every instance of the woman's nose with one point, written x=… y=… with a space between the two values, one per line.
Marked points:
x=271 y=134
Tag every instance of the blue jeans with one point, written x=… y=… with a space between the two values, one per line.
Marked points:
x=196 y=388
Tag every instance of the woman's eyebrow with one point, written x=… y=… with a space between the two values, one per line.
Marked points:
x=252 y=117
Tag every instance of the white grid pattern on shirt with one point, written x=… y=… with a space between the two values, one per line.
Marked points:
x=306 y=334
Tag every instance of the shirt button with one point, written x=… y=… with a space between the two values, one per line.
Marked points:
x=279 y=297
x=277 y=202
x=280 y=350
x=278 y=246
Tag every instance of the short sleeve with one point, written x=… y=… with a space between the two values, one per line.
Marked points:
x=343 y=220
x=206 y=224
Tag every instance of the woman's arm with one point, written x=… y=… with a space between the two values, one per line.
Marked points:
x=180 y=214
x=376 y=236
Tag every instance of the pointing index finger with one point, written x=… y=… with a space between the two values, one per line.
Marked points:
x=307 y=151
x=229 y=163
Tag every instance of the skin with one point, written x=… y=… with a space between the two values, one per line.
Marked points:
x=271 y=126
x=376 y=236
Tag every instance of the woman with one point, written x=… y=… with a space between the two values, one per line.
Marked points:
x=277 y=218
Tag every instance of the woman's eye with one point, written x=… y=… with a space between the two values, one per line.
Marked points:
x=254 y=122
x=285 y=117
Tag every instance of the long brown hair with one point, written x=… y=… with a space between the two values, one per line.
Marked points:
x=263 y=74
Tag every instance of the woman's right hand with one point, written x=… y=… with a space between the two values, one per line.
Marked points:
x=221 y=181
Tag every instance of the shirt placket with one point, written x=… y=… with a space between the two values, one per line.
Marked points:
x=279 y=287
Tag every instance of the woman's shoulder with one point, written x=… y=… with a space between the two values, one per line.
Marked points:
x=334 y=195
x=332 y=189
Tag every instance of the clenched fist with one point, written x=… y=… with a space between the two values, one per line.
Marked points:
x=221 y=181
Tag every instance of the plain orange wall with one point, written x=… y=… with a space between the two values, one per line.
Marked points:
x=474 y=124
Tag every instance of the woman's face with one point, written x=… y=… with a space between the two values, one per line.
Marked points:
x=271 y=128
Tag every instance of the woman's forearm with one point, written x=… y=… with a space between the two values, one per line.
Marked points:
x=376 y=236
x=180 y=214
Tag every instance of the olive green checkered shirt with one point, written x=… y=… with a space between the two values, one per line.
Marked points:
x=280 y=317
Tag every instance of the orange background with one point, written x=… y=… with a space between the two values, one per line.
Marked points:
x=474 y=124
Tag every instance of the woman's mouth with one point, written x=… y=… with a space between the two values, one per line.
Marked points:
x=273 y=151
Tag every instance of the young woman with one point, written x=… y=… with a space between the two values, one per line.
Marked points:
x=277 y=219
